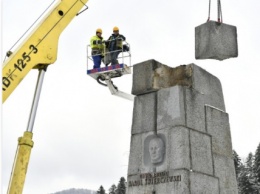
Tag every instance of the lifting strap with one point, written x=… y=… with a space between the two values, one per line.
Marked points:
x=220 y=17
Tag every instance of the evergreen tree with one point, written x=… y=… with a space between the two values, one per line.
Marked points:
x=112 y=189
x=244 y=185
x=248 y=173
x=237 y=163
x=248 y=180
x=257 y=164
x=250 y=164
x=256 y=169
x=101 y=190
x=121 y=187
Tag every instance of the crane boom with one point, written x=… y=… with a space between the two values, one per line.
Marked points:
x=38 y=50
x=40 y=47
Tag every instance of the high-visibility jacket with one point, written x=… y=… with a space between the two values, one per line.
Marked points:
x=96 y=44
x=115 y=42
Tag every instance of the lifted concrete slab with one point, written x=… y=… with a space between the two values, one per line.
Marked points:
x=215 y=40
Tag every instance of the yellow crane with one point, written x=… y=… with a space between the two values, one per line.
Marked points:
x=37 y=51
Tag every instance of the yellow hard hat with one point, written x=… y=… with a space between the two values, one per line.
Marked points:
x=99 y=30
x=115 y=29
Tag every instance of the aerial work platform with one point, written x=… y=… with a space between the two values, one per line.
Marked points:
x=104 y=75
x=112 y=71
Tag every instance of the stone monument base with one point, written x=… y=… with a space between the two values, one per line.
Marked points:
x=180 y=138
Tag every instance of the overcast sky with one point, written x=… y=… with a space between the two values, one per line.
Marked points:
x=81 y=131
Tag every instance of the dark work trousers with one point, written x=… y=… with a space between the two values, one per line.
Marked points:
x=114 y=56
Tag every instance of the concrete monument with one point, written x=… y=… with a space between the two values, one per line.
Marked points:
x=180 y=139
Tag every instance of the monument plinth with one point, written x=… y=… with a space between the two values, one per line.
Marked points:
x=180 y=139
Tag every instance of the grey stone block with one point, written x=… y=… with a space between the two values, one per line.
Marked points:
x=217 y=123
x=140 y=187
x=195 y=113
x=215 y=40
x=143 y=77
x=151 y=76
x=178 y=187
x=144 y=113
x=177 y=182
x=179 y=148
x=170 y=107
x=200 y=183
x=201 y=155
x=176 y=153
x=225 y=171
x=209 y=86
x=136 y=154
x=206 y=89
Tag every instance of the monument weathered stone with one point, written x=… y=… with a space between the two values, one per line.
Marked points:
x=180 y=139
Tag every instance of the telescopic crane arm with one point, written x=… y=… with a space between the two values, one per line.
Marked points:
x=40 y=47
x=37 y=51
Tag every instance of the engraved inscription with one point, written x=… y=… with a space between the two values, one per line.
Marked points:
x=154 y=178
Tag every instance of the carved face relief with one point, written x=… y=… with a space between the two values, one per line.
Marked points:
x=156 y=150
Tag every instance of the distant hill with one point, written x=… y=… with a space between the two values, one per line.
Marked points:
x=75 y=191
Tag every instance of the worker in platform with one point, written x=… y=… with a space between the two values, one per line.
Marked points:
x=115 y=45
x=97 y=48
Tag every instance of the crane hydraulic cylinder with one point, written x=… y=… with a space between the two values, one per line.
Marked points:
x=21 y=162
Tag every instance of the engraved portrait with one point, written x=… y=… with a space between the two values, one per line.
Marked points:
x=154 y=150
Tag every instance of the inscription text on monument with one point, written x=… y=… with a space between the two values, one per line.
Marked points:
x=154 y=178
